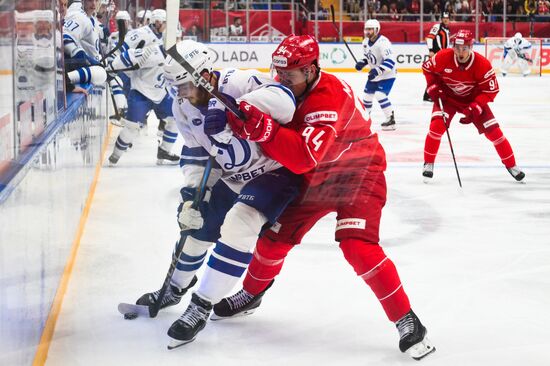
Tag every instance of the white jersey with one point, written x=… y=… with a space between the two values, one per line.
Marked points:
x=242 y=160
x=517 y=47
x=378 y=54
x=148 y=79
x=80 y=32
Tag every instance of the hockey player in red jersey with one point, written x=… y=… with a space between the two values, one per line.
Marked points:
x=329 y=140
x=465 y=82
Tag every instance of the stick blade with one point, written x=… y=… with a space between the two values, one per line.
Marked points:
x=132 y=311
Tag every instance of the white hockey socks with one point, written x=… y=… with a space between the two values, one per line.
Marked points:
x=233 y=252
x=170 y=134
x=189 y=262
x=385 y=104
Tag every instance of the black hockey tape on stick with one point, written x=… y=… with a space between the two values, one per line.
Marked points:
x=121 y=25
x=338 y=32
x=449 y=137
x=203 y=83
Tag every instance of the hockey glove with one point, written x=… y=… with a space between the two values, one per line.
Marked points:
x=190 y=218
x=360 y=64
x=373 y=74
x=471 y=112
x=257 y=126
x=215 y=121
x=435 y=92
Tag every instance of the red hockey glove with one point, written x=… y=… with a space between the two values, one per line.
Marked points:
x=257 y=126
x=435 y=91
x=471 y=112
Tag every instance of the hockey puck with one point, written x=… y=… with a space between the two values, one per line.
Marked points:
x=130 y=316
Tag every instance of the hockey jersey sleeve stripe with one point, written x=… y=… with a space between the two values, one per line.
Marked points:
x=125 y=58
x=285 y=89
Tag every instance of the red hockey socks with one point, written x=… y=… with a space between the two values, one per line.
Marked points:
x=371 y=264
x=433 y=139
x=266 y=264
x=503 y=147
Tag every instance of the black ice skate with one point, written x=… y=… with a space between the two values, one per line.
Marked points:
x=113 y=159
x=241 y=304
x=516 y=173
x=428 y=172
x=412 y=337
x=193 y=320
x=166 y=158
x=172 y=296
x=389 y=125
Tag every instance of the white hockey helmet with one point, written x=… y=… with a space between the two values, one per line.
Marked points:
x=518 y=35
x=124 y=15
x=373 y=23
x=158 y=15
x=43 y=15
x=145 y=15
x=196 y=54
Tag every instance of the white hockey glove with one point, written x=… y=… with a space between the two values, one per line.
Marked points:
x=190 y=218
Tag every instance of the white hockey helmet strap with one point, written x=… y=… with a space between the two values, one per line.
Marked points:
x=196 y=54
x=373 y=23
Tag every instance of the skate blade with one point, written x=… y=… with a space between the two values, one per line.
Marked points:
x=421 y=349
x=175 y=343
x=132 y=311
x=167 y=162
x=428 y=180
x=215 y=317
x=389 y=128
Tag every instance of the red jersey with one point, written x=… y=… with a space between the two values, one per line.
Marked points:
x=329 y=133
x=462 y=83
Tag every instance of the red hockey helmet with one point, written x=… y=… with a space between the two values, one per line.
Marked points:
x=463 y=38
x=295 y=51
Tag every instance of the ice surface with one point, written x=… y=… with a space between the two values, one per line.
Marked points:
x=474 y=261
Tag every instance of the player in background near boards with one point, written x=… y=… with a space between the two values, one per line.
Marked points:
x=465 y=82
x=330 y=142
x=143 y=52
x=438 y=40
x=378 y=55
x=516 y=49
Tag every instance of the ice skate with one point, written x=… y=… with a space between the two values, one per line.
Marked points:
x=113 y=159
x=172 y=296
x=516 y=173
x=191 y=322
x=166 y=158
x=428 y=172
x=412 y=337
x=389 y=125
x=241 y=304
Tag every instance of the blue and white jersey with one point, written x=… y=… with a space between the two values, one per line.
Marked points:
x=148 y=79
x=240 y=160
x=378 y=54
x=519 y=46
x=143 y=36
x=80 y=32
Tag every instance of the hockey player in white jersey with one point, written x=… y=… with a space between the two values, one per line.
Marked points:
x=378 y=56
x=516 y=49
x=143 y=52
x=81 y=46
x=246 y=189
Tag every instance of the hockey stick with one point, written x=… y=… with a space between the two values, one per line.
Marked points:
x=121 y=26
x=132 y=311
x=338 y=32
x=450 y=143
x=205 y=84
